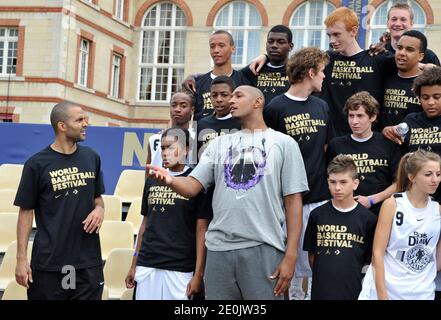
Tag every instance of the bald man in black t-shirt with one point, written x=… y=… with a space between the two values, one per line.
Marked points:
x=62 y=186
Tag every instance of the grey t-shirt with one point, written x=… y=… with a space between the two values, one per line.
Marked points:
x=252 y=172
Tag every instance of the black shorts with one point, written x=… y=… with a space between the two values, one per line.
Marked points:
x=82 y=284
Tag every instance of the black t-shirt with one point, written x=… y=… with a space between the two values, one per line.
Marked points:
x=169 y=239
x=377 y=162
x=308 y=122
x=429 y=56
x=272 y=81
x=342 y=245
x=210 y=127
x=424 y=133
x=203 y=106
x=398 y=100
x=346 y=76
x=61 y=189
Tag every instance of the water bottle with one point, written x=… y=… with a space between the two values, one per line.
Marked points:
x=402 y=129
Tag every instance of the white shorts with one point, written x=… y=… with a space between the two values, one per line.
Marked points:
x=159 y=284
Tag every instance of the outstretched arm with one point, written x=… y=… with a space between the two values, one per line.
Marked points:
x=188 y=186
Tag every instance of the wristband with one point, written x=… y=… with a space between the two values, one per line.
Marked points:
x=135 y=254
x=371 y=201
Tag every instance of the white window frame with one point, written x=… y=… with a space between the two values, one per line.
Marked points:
x=324 y=42
x=83 y=62
x=246 y=28
x=7 y=41
x=383 y=27
x=116 y=75
x=155 y=66
x=119 y=9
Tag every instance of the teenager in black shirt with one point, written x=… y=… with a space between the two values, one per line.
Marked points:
x=221 y=122
x=351 y=69
x=272 y=79
x=62 y=186
x=306 y=118
x=399 y=99
x=399 y=20
x=221 y=49
x=169 y=259
x=424 y=127
x=339 y=236
x=181 y=111
x=376 y=158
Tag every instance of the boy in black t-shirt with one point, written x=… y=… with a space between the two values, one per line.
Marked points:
x=376 y=158
x=272 y=79
x=221 y=49
x=169 y=259
x=399 y=20
x=424 y=127
x=62 y=185
x=399 y=100
x=181 y=110
x=221 y=122
x=351 y=69
x=339 y=236
x=306 y=119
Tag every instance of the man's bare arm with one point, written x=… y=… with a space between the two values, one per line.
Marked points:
x=23 y=272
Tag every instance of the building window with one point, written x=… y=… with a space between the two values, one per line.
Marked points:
x=162 y=52
x=244 y=23
x=119 y=9
x=307 y=24
x=379 y=19
x=116 y=75
x=84 y=62
x=8 y=50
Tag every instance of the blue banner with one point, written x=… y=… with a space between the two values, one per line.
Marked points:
x=361 y=9
x=119 y=148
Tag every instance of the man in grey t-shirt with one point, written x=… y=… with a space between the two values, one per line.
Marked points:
x=259 y=177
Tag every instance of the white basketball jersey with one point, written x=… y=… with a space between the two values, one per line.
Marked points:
x=409 y=261
x=155 y=148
